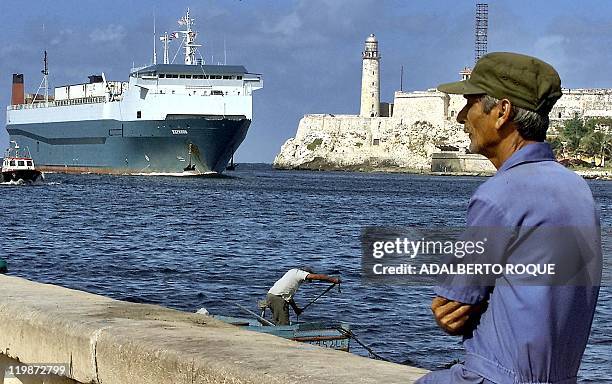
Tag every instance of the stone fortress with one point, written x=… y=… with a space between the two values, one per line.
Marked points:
x=418 y=132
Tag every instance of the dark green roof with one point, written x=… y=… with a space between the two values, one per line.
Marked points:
x=194 y=69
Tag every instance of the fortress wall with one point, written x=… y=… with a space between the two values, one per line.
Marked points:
x=108 y=341
x=361 y=143
x=584 y=102
x=428 y=106
x=422 y=123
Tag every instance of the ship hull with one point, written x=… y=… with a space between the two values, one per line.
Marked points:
x=134 y=147
x=28 y=175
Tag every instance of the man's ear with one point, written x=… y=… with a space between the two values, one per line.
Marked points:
x=504 y=109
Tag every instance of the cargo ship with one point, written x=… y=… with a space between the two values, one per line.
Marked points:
x=182 y=119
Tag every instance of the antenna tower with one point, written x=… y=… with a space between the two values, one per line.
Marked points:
x=482 y=26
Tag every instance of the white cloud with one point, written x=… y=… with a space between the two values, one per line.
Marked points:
x=552 y=48
x=550 y=43
x=111 y=34
x=287 y=25
x=63 y=35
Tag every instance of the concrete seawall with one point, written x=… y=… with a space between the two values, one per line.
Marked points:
x=453 y=162
x=108 y=341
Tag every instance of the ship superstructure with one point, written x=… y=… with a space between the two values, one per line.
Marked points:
x=168 y=118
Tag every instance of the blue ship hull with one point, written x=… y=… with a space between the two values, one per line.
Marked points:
x=133 y=147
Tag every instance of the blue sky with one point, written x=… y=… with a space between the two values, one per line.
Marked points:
x=309 y=51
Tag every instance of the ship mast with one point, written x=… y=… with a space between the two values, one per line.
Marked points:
x=44 y=84
x=165 y=38
x=190 y=36
x=154 y=42
x=46 y=79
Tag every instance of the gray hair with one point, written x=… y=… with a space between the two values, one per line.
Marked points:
x=530 y=125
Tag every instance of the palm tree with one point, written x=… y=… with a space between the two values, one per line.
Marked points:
x=597 y=144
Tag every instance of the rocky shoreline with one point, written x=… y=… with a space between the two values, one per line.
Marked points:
x=595 y=174
x=320 y=164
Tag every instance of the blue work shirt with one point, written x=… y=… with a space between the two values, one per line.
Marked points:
x=529 y=334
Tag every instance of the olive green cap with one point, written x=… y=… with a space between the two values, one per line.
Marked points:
x=526 y=81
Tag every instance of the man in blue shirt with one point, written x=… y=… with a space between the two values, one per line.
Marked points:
x=536 y=211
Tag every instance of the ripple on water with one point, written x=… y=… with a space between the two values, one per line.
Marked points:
x=192 y=243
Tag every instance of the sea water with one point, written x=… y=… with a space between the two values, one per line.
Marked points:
x=191 y=243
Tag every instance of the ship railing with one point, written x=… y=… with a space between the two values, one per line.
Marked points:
x=59 y=103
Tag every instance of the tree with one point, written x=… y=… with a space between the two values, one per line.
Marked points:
x=574 y=130
x=557 y=146
x=597 y=144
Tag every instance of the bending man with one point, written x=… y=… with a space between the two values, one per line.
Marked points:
x=280 y=296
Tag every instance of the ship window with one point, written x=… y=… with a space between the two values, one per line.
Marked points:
x=162 y=75
x=29 y=163
x=138 y=114
x=12 y=163
x=21 y=163
x=239 y=77
x=206 y=77
x=188 y=76
x=227 y=77
x=181 y=76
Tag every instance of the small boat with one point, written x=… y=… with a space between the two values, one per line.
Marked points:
x=334 y=336
x=17 y=166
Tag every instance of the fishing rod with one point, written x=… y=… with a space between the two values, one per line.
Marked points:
x=320 y=295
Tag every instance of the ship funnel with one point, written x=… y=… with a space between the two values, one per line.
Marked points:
x=17 y=96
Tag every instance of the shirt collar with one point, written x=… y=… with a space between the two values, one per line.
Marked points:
x=530 y=153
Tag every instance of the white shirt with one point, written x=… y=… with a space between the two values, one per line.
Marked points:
x=287 y=285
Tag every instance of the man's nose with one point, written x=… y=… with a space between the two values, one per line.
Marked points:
x=461 y=116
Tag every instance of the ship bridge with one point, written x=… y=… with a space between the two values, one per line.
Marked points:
x=181 y=78
x=233 y=72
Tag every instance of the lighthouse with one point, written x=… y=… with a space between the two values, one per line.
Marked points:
x=370 y=79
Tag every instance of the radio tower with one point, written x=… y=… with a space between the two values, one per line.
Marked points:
x=482 y=25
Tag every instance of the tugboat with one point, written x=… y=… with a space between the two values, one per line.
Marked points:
x=16 y=166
